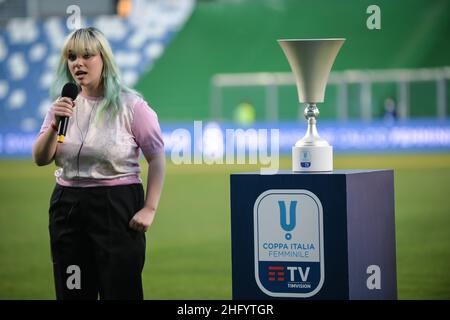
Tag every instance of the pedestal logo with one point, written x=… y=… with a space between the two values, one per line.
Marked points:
x=306 y=159
x=289 y=253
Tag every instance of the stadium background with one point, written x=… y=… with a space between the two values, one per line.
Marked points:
x=170 y=51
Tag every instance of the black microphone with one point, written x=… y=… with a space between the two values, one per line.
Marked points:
x=69 y=90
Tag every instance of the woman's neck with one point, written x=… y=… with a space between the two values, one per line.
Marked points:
x=92 y=92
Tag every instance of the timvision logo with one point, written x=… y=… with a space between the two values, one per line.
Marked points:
x=289 y=253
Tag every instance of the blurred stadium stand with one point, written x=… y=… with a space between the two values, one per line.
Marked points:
x=41 y=9
x=30 y=48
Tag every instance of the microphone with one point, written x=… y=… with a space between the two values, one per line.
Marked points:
x=69 y=90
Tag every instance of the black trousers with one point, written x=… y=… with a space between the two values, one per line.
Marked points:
x=94 y=251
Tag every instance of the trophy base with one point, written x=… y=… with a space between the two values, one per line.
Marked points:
x=312 y=158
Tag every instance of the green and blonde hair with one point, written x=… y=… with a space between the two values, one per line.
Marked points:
x=93 y=41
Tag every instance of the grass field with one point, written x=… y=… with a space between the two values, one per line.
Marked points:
x=189 y=248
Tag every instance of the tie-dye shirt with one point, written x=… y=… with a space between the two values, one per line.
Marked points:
x=106 y=153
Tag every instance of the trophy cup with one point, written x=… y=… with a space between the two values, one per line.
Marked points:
x=311 y=61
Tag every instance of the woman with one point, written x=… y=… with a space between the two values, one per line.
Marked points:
x=98 y=215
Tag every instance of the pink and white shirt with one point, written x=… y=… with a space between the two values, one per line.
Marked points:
x=106 y=152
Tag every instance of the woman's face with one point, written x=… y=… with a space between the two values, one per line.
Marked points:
x=86 y=69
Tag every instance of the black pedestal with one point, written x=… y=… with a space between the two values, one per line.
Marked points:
x=313 y=235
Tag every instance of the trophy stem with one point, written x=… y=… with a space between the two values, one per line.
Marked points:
x=312 y=153
x=311 y=132
x=311 y=111
x=311 y=137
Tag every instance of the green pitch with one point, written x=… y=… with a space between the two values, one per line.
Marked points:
x=188 y=247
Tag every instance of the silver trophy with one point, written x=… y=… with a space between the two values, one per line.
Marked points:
x=311 y=61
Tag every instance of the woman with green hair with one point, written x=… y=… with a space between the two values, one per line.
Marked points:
x=98 y=211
